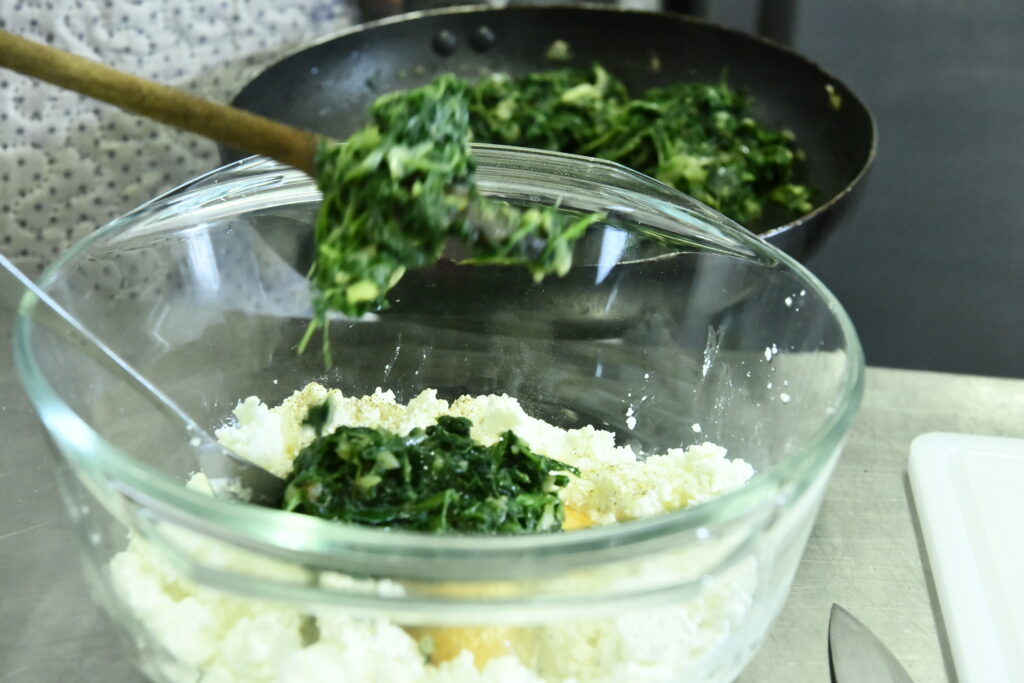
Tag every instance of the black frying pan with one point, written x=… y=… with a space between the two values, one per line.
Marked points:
x=329 y=86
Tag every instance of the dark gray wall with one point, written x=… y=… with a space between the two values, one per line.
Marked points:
x=931 y=266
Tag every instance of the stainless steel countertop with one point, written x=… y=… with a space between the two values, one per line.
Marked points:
x=865 y=552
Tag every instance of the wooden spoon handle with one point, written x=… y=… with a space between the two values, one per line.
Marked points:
x=227 y=125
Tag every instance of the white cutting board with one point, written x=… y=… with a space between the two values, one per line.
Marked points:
x=969 y=493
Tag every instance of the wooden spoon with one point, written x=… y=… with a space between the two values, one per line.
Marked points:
x=227 y=125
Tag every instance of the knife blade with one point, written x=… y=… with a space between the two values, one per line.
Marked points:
x=856 y=655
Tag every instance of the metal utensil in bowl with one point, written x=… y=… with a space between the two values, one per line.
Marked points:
x=230 y=476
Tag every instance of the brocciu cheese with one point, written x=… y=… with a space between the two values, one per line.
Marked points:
x=234 y=639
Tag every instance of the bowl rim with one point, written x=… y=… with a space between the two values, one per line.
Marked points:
x=308 y=538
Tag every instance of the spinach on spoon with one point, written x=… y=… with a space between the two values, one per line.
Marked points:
x=403 y=186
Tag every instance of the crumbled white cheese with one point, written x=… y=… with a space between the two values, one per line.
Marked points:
x=647 y=645
x=233 y=639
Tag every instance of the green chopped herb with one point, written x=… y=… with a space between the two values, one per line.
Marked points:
x=835 y=100
x=559 y=51
x=426 y=646
x=401 y=187
x=317 y=416
x=436 y=479
x=697 y=137
x=388 y=203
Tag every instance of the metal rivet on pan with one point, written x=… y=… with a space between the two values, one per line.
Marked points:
x=482 y=38
x=445 y=42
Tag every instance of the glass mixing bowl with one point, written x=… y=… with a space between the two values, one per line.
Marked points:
x=674 y=327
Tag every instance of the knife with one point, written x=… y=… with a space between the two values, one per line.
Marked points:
x=856 y=655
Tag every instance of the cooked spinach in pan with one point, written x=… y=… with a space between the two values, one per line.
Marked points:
x=696 y=137
x=403 y=186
